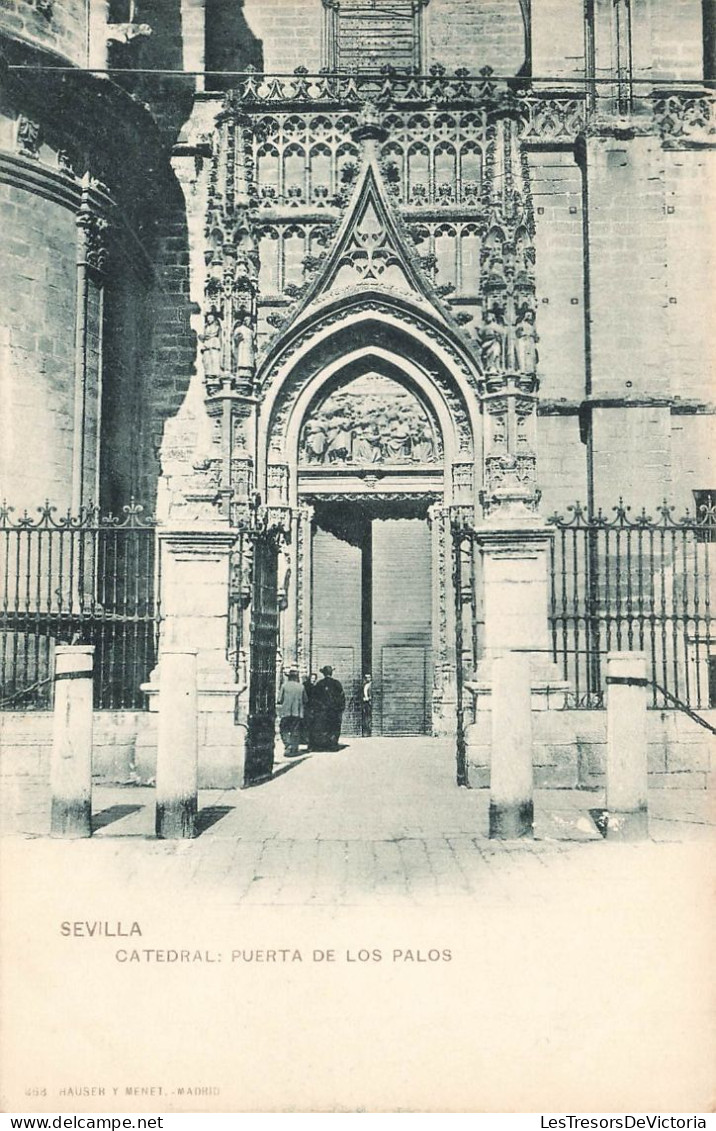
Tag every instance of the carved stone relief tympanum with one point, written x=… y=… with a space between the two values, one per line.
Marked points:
x=372 y=420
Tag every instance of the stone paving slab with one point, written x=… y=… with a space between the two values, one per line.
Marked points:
x=371 y=789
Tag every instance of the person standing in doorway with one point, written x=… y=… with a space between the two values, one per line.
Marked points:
x=367 y=704
x=291 y=709
x=328 y=704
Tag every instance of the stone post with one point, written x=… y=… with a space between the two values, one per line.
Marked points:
x=177 y=745
x=627 y=684
x=195 y=603
x=71 y=763
x=511 y=803
x=515 y=577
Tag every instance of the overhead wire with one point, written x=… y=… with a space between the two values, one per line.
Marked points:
x=583 y=80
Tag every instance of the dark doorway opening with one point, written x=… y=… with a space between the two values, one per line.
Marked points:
x=372 y=610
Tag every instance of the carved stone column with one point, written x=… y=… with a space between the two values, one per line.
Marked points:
x=228 y=340
x=207 y=460
x=232 y=412
x=463 y=489
x=444 y=666
x=329 y=52
x=295 y=592
x=304 y=584
x=514 y=541
x=510 y=420
x=91 y=269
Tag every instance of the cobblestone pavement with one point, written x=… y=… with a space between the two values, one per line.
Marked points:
x=379 y=821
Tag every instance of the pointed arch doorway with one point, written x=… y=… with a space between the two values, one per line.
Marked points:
x=371 y=494
x=370 y=465
x=371 y=609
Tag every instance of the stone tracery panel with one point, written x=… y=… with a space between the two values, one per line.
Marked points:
x=431 y=152
x=437 y=166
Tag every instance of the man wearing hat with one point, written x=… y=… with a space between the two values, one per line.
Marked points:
x=328 y=703
x=291 y=709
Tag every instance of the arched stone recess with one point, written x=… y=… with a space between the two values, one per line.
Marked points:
x=341 y=372
x=350 y=333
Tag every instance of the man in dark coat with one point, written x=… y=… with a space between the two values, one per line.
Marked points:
x=328 y=703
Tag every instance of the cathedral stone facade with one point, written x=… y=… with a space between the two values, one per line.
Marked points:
x=324 y=284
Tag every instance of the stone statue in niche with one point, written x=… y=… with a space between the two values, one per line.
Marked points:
x=211 y=343
x=244 y=346
x=283 y=578
x=245 y=271
x=526 y=344
x=373 y=420
x=28 y=137
x=492 y=344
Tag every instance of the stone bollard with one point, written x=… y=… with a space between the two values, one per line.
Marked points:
x=511 y=801
x=177 y=745
x=627 y=684
x=71 y=762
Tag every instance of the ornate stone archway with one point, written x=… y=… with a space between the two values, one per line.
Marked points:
x=374 y=293
x=371 y=337
x=368 y=328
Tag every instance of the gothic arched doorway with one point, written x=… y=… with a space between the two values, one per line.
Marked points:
x=370 y=462
x=371 y=610
x=368 y=436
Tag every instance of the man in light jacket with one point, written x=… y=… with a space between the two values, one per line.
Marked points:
x=291 y=709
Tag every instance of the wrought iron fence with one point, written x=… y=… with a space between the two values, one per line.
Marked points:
x=77 y=579
x=635 y=583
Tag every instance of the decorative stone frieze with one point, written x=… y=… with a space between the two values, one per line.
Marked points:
x=686 y=116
